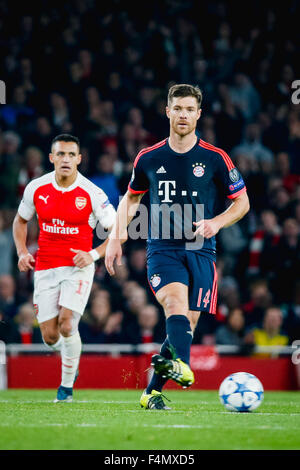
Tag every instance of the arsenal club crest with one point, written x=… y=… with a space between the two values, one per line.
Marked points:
x=80 y=202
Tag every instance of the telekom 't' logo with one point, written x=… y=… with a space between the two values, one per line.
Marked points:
x=167 y=190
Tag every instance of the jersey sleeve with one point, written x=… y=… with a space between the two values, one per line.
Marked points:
x=102 y=208
x=26 y=207
x=229 y=177
x=139 y=183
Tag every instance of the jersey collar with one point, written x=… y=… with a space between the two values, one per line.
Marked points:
x=69 y=188
x=185 y=153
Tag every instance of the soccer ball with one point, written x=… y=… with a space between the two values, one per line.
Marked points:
x=241 y=392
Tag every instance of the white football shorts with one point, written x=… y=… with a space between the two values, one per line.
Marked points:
x=66 y=286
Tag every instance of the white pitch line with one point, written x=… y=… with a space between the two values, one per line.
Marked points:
x=167 y=426
x=133 y=402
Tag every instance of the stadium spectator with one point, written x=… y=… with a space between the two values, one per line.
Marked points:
x=245 y=96
x=59 y=112
x=106 y=179
x=8 y=329
x=32 y=168
x=233 y=241
x=39 y=135
x=260 y=299
x=233 y=331
x=99 y=324
x=252 y=145
x=269 y=332
x=18 y=112
x=137 y=259
x=6 y=247
x=280 y=203
x=228 y=118
x=287 y=262
x=9 y=299
x=291 y=315
x=137 y=298
x=147 y=326
x=10 y=163
x=263 y=244
x=28 y=331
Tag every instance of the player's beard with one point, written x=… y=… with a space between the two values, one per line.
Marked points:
x=184 y=130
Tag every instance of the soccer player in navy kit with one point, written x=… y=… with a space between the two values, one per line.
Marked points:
x=187 y=179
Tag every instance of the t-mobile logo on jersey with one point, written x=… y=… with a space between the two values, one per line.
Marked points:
x=167 y=191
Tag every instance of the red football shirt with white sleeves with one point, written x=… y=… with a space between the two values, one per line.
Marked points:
x=66 y=217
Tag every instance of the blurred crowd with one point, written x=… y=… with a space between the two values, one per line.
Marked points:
x=102 y=74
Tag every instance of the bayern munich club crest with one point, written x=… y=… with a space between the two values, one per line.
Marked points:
x=155 y=280
x=80 y=202
x=198 y=169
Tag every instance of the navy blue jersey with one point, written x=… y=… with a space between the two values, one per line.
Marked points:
x=184 y=188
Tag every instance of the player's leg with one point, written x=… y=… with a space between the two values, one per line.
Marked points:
x=193 y=316
x=166 y=269
x=74 y=294
x=174 y=300
x=45 y=299
x=50 y=333
x=70 y=352
x=169 y=279
x=157 y=382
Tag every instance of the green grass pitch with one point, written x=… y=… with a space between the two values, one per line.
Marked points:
x=113 y=419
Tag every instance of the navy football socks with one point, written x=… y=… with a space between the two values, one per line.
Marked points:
x=180 y=336
x=176 y=345
x=157 y=382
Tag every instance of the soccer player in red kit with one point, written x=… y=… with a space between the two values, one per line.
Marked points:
x=68 y=207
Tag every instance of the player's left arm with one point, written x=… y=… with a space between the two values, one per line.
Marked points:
x=208 y=228
x=84 y=258
x=228 y=177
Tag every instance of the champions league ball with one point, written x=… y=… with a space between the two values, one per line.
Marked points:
x=241 y=392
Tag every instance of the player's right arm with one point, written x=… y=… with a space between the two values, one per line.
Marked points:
x=125 y=213
x=26 y=260
x=137 y=187
x=25 y=212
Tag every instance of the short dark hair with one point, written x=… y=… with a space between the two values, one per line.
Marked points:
x=65 y=138
x=182 y=90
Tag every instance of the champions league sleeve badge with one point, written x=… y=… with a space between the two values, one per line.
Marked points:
x=234 y=175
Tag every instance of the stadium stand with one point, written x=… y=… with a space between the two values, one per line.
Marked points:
x=103 y=74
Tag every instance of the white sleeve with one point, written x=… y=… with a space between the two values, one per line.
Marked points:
x=103 y=210
x=26 y=208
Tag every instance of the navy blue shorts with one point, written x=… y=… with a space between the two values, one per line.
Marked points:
x=196 y=271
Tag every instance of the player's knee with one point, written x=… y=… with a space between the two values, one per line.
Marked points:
x=50 y=337
x=68 y=325
x=173 y=305
x=65 y=328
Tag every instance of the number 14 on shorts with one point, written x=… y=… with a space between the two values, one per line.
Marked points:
x=206 y=298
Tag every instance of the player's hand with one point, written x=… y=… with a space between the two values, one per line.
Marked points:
x=26 y=262
x=82 y=258
x=113 y=252
x=207 y=228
